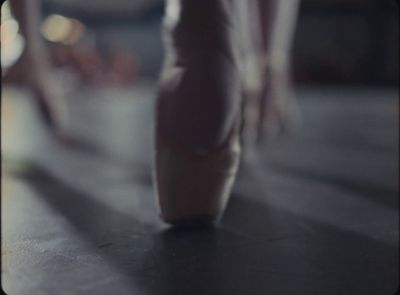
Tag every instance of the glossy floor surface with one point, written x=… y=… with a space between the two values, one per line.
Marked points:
x=316 y=214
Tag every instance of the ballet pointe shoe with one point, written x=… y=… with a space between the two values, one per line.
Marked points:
x=197 y=146
x=193 y=188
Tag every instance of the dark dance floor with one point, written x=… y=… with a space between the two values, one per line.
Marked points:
x=317 y=213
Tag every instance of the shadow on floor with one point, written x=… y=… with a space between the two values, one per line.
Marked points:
x=255 y=250
x=376 y=193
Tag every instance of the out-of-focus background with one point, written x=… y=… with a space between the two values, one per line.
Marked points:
x=347 y=42
x=316 y=214
x=337 y=41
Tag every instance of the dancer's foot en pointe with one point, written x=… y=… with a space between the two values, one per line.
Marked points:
x=198 y=113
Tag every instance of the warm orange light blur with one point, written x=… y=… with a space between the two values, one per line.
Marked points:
x=58 y=28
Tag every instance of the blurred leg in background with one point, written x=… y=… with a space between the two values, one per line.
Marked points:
x=277 y=104
x=266 y=34
x=33 y=69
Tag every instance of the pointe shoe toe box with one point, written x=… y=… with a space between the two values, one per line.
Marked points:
x=193 y=188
